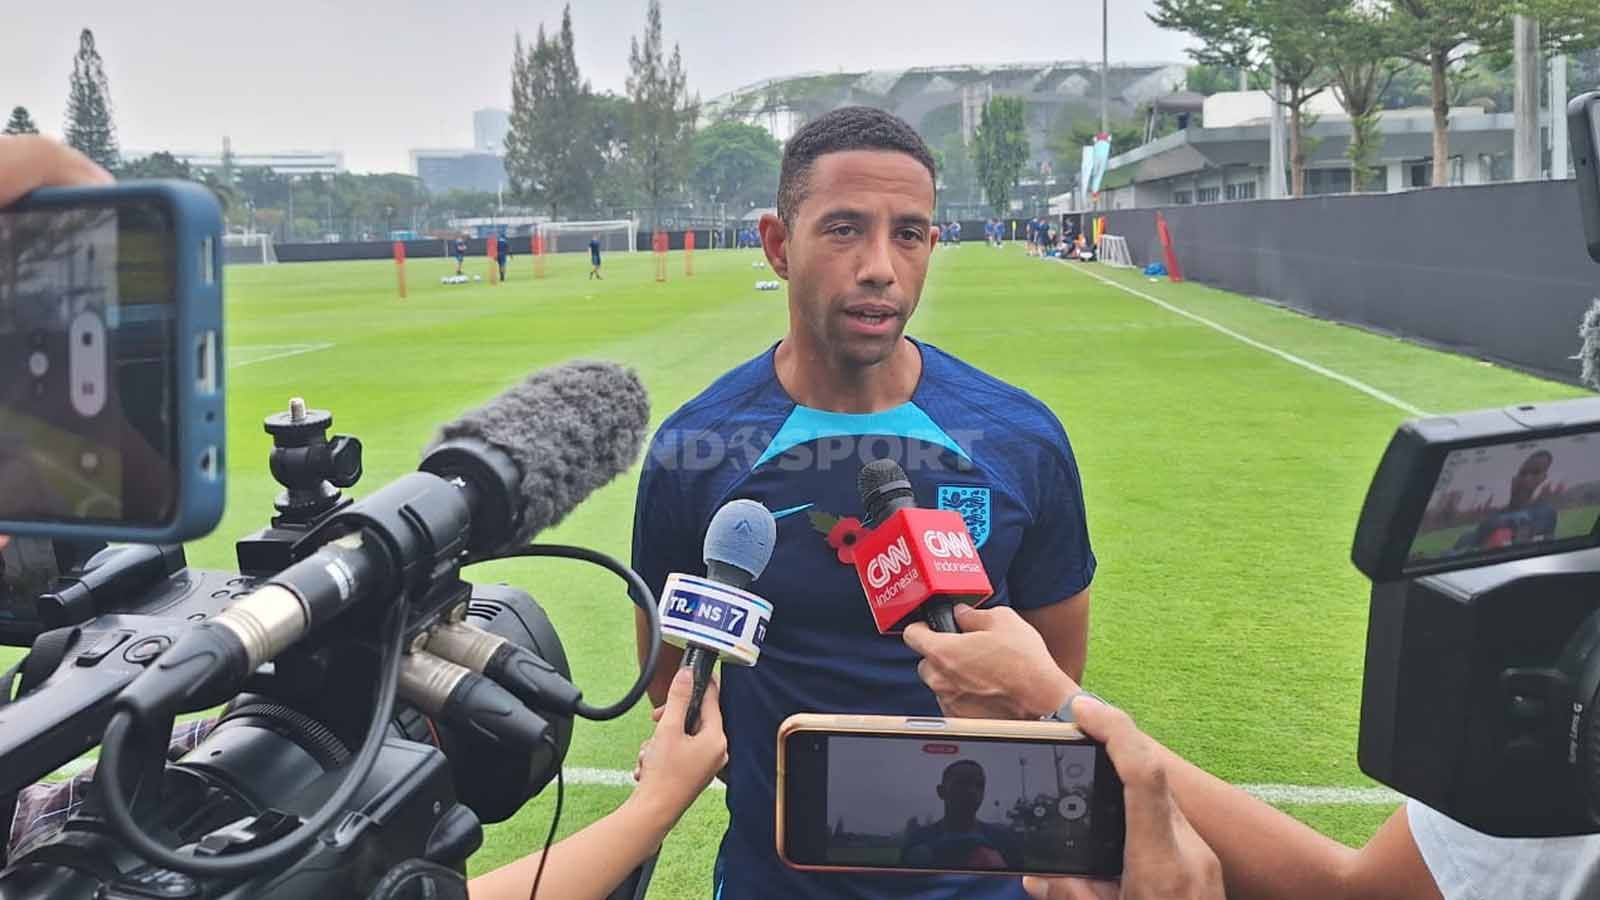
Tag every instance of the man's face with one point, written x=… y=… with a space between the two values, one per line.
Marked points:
x=1528 y=479
x=962 y=791
x=857 y=252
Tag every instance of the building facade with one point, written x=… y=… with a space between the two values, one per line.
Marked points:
x=293 y=163
x=1226 y=158
x=489 y=128
x=459 y=170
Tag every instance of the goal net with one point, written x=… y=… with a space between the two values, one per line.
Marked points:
x=616 y=236
x=241 y=249
x=1114 y=251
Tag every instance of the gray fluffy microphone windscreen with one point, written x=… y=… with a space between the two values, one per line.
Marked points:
x=1590 y=353
x=570 y=430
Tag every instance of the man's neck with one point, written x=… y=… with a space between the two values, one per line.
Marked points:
x=958 y=825
x=815 y=379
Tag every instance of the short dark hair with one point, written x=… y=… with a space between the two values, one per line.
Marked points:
x=944 y=778
x=847 y=128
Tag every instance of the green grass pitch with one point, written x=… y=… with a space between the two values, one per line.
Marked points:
x=1222 y=482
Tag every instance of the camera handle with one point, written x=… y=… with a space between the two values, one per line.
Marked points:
x=49 y=650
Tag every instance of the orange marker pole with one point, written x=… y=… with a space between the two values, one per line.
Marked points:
x=491 y=248
x=658 y=244
x=400 y=265
x=538 y=255
x=688 y=253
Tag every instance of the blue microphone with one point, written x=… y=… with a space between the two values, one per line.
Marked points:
x=715 y=617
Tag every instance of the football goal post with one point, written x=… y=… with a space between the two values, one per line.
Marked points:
x=615 y=235
x=248 y=249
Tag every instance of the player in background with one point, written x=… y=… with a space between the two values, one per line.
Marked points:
x=594 y=257
x=502 y=253
x=460 y=253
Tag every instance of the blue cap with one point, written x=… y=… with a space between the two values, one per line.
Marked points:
x=741 y=534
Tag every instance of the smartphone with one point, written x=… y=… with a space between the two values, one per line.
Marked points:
x=111 y=372
x=965 y=796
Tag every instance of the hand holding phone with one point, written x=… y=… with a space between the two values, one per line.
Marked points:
x=111 y=413
x=1165 y=858
x=925 y=795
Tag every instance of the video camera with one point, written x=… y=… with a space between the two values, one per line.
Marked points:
x=1481 y=534
x=376 y=707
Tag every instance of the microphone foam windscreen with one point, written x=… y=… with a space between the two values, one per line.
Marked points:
x=570 y=429
x=1590 y=352
x=742 y=534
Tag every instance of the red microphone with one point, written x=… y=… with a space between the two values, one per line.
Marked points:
x=914 y=561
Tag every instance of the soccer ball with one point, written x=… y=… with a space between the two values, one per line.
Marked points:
x=477 y=278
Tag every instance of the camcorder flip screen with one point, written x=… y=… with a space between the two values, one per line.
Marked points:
x=1478 y=488
x=1506 y=497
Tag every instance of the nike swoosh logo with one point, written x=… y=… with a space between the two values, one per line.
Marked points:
x=792 y=510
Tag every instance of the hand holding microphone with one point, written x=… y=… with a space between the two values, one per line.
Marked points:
x=915 y=563
x=675 y=766
x=997 y=668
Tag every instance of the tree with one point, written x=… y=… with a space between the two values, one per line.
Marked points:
x=616 y=183
x=1000 y=148
x=1290 y=39
x=1364 y=65
x=1071 y=135
x=957 y=176
x=21 y=122
x=734 y=162
x=89 y=127
x=662 y=133
x=551 y=159
x=1441 y=35
x=157 y=165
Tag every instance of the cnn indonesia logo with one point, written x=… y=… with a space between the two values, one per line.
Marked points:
x=942 y=544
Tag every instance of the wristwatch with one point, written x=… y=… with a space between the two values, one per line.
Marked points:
x=1064 y=714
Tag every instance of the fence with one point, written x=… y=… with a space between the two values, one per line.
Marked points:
x=1497 y=271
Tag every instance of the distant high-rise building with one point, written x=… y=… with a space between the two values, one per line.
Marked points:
x=459 y=170
x=489 y=127
x=294 y=163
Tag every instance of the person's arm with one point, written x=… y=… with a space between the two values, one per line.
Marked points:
x=662 y=544
x=998 y=667
x=1050 y=575
x=674 y=769
x=1065 y=629
x=1267 y=853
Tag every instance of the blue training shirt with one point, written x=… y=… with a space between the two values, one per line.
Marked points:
x=969 y=442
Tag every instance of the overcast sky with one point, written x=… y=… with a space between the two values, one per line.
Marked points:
x=377 y=79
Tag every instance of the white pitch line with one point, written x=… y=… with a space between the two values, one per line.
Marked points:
x=1276 y=794
x=1285 y=355
x=290 y=350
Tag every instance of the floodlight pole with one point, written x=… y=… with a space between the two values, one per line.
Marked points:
x=1105 y=66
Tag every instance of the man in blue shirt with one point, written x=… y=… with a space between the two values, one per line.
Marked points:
x=1526 y=517
x=960 y=840
x=594 y=256
x=460 y=253
x=793 y=427
x=502 y=253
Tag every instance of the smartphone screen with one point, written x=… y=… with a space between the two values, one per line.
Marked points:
x=934 y=803
x=88 y=379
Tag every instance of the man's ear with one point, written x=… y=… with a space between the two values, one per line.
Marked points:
x=775 y=243
x=933 y=236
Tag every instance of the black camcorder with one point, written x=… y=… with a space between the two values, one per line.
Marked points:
x=1481 y=534
x=483 y=724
